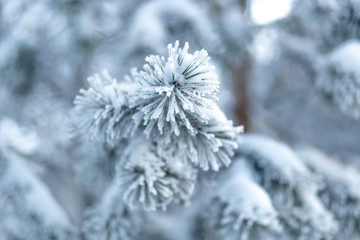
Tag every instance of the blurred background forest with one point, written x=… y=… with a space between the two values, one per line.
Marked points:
x=288 y=69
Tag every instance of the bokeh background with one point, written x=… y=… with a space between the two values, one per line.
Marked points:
x=271 y=56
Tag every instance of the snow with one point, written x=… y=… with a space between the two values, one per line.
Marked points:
x=339 y=78
x=246 y=198
x=347 y=178
x=240 y=208
x=314 y=213
x=16 y=138
x=298 y=202
x=276 y=155
x=38 y=199
x=347 y=55
x=341 y=188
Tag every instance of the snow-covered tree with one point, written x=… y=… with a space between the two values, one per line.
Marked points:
x=147 y=151
x=166 y=118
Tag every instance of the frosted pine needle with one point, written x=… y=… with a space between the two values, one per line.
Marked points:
x=150 y=182
x=173 y=90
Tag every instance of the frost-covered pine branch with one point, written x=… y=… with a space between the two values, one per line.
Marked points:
x=150 y=180
x=293 y=188
x=174 y=91
x=103 y=110
x=241 y=209
x=341 y=192
x=167 y=116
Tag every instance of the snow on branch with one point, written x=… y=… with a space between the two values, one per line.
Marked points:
x=241 y=209
x=26 y=202
x=293 y=187
x=339 y=78
x=341 y=189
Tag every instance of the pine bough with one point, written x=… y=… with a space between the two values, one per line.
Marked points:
x=339 y=78
x=168 y=125
x=168 y=115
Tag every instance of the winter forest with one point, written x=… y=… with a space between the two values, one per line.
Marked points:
x=180 y=120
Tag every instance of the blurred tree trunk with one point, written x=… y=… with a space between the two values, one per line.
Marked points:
x=240 y=82
x=238 y=66
x=240 y=72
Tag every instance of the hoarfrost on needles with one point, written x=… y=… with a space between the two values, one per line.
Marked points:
x=167 y=112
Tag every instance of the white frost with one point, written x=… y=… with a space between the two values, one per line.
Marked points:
x=276 y=156
x=246 y=198
x=347 y=55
